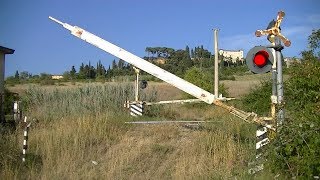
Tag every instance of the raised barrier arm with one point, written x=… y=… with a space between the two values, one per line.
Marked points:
x=155 y=70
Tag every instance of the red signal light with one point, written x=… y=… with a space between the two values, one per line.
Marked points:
x=260 y=59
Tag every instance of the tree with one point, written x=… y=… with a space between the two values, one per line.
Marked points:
x=81 y=74
x=120 y=64
x=73 y=73
x=86 y=71
x=314 y=42
x=192 y=53
x=100 y=70
x=16 y=76
x=114 y=64
x=187 y=53
x=66 y=75
x=24 y=75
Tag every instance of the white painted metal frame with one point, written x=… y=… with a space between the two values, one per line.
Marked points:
x=159 y=73
x=139 y=63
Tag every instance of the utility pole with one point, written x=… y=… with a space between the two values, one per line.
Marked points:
x=216 y=64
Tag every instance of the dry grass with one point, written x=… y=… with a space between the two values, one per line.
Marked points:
x=82 y=124
x=239 y=88
x=66 y=151
x=165 y=152
x=165 y=91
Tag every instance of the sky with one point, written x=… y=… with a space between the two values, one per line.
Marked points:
x=42 y=46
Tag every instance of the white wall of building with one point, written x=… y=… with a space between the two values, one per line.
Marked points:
x=233 y=54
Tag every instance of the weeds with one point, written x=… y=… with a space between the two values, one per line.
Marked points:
x=81 y=125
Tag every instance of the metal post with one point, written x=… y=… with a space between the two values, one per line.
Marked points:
x=274 y=100
x=216 y=64
x=279 y=83
x=274 y=93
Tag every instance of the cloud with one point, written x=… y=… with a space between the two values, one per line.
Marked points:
x=247 y=41
x=308 y=19
x=296 y=31
x=242 y=41
x=314 y=19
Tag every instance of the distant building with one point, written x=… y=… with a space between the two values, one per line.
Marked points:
x=234 y=54
x=56 y=77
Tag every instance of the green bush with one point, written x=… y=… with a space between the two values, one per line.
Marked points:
x=295 y=150
x=231 y=71
x=10 y=97
x=258 y=100
x=203 y=79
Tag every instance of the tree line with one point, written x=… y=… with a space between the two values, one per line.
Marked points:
x=175 y=61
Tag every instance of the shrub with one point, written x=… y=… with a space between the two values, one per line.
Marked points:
x=258 y=100
x=204 y=80
x=296 y=148
x=10 y=97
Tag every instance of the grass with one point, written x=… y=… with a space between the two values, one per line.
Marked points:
x=81 y=134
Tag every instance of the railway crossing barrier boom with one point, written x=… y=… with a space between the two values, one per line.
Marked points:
x=158 y=72
x=260 y=59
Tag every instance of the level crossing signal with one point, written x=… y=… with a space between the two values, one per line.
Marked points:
x=143 y=84
x=260 y=59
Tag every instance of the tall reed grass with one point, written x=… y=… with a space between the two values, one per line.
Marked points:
x=81 y=134
x=91 y=99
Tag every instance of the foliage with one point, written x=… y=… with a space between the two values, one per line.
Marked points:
x=175 y=61
x=295 y=150
x=314 y=41
x=237 y=70
x=10 y=97
x=297 y=145
x=204 y=80
x=160 y=51
x=258 y=98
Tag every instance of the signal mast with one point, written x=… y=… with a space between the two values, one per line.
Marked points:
x=262 y=59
